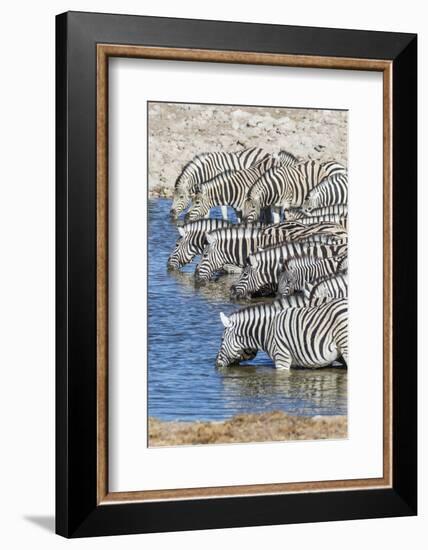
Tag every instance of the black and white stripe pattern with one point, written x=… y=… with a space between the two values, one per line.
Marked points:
x=298 y=272
x=229 y=188
x=297 y=214
x=261 y=274
x=295 y=231
x=192 y=241
x=231 y=247
x=309 y=337
x=330 y=192
x=287 y=186
x=207 y=166
x=327 y=287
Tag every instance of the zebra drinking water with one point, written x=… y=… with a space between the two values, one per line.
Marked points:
x=192 y=241
x=228 y=188
x=205 y=167
x=261 y=274
x=310 y=337
x=231 y=246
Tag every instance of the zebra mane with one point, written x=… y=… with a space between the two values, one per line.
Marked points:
x=199 y=157
x=286 y=158
x=205 y=224
x=276 y=305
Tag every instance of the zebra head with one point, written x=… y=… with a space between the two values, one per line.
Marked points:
x=251 y=212
x=288 y=283
x=311 y=202
x=256 y=278
x=184 y=251
x=212 y=260
x=233 y=347
x=179 y=202
x=199 y=208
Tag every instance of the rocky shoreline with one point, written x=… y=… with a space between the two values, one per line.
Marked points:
x=178 y=132
x=246 y=428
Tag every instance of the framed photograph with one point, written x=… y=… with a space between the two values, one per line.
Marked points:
x=236 y=274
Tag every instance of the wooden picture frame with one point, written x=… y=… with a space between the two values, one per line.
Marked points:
x=84 y=43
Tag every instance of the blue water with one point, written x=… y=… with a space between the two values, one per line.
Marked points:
x=184 y=337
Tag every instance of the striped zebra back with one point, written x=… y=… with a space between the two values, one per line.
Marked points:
x=252 y=155
x=302 y=231
x=338 y=220
x=332 y=287
x=287 y=159
x=335 y=210
x=310 y=336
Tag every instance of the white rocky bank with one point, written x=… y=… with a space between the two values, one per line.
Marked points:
x=178 y=132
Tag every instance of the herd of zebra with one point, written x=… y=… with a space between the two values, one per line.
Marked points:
x=290 y=243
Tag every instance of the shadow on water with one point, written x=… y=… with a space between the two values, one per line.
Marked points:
x=184 y=337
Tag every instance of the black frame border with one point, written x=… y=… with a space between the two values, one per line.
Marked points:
x=77 y=512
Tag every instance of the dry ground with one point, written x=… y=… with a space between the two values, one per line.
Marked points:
x=178 y=132
x=272 y=426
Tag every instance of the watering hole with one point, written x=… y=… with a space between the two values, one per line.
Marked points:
x=184 y=335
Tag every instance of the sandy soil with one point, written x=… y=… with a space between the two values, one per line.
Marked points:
x=272 y=426
x=177 y=132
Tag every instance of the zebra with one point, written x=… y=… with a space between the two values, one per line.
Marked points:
x=206 y=166
x=286 y=186
x=228 y=188
x=309 y=337
x=297 y=214
x=261 y=274
x=263 y=311
x=286 y=159
x=329 y=218
x=298 y=231
x=296 y=274
x=230 y=247
x=192 y=241
x=330 y=192
x=331 y=287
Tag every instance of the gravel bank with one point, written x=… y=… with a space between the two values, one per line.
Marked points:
x=178 y=132
x=245 y=428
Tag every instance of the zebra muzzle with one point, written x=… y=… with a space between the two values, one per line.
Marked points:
x=172 y=265
x=236 y=293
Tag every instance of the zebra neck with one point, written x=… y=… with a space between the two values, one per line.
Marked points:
x=256 y=324
x=216 y=195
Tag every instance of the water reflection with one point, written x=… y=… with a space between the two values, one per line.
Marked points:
x=306 y=392
x=184 y=334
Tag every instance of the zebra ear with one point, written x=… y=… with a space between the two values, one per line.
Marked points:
x=181 y=231
x=225 y=320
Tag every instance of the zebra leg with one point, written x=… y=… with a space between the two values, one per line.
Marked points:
x=223 y=212
x=282 y=358
x=344 y=353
